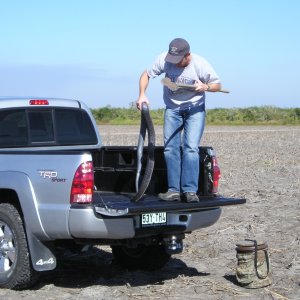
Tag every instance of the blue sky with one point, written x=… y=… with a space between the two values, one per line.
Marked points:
x=95 y=50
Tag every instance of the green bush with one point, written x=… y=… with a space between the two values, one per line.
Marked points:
x=256 y=115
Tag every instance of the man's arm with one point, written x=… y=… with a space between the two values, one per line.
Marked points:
x=211 y=87
x=143 y=84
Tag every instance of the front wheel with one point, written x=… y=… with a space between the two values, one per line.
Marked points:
x=16 y=271
x=148 y=258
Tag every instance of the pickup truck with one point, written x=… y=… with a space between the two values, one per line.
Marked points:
x=61 y=188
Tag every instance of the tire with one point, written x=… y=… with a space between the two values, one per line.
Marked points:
x=16 y=271
x=147 y=258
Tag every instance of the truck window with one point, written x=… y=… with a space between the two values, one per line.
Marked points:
x=46 y=127
x=13 y=129
x=41 y=126
x=74 y=127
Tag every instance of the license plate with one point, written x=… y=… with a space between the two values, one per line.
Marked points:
x=150 y=219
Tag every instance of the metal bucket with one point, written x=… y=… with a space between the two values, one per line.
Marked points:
x=253 y=264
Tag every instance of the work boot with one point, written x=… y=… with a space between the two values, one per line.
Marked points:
x=190 y=197
x=169 y=196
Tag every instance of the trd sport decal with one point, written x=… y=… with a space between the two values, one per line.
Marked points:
x=52 y=175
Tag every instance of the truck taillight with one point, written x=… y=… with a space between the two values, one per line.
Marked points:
x=83 y=184
x=216 y=175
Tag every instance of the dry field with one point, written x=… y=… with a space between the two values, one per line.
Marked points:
x=259 y=163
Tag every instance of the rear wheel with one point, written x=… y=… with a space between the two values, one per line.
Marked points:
x=16 y=271
x=148 y=258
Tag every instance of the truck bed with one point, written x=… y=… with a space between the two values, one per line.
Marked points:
x=115 y=173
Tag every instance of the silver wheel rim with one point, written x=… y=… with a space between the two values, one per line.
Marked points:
x=7 y=248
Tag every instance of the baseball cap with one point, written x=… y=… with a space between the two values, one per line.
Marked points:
x=178 y=48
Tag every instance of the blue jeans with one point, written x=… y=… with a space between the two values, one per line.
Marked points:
x=183 y=130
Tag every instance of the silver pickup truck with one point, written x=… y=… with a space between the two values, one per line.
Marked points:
x=60 y=187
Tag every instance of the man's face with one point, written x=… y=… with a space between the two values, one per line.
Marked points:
x=185 y=61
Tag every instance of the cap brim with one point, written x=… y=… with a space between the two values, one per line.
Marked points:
x=173 y=59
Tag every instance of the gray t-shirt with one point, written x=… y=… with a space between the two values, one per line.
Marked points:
x=197 y=70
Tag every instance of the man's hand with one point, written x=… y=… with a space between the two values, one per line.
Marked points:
x=140 y=102
x=200 y=87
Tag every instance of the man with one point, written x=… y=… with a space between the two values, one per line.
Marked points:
x=184 y=118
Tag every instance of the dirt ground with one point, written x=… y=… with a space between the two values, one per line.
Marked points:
x=261 y=164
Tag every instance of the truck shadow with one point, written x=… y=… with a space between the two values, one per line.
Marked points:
x=98 y=268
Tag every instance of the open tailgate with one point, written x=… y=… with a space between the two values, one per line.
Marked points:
x=112 y=204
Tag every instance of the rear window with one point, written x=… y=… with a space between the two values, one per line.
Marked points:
x=45 y=127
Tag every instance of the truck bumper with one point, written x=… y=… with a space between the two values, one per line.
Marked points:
x=85 y=223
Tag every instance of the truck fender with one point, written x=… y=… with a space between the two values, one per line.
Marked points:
x=40 y=250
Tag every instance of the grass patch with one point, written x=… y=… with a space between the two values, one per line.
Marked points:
x=256 y=115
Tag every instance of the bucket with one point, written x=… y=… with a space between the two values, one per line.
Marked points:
x=253 y=264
